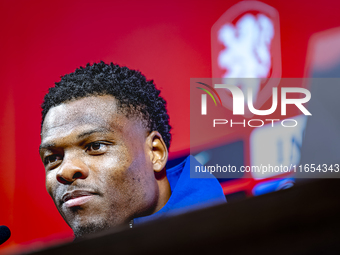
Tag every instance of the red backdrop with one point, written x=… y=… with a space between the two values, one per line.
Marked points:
x=168 y=41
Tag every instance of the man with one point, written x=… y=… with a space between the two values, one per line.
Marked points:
x=104 y=144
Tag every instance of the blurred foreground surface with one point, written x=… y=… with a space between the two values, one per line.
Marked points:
x=300 y=220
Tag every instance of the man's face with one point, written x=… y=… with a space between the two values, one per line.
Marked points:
x=98 y=164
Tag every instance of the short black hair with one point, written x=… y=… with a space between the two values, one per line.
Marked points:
x=135 y=95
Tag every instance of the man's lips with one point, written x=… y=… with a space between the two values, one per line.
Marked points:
x=77 y=197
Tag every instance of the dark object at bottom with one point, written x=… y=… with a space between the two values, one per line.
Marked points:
x=301 y=220
x=5 y=233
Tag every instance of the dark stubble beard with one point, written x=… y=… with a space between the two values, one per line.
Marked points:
x=90 y=228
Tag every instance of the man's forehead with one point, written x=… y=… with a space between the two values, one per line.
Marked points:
x=94 y=110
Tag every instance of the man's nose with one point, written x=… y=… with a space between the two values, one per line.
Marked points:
x=72 y=169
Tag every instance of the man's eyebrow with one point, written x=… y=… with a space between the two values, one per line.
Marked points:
x=82 y=135
x=96 y=130
x=46 y=146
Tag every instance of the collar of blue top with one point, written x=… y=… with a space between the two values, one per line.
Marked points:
x=187 y=193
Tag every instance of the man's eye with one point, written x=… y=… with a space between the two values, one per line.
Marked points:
x=96 y=146
x=52 y=159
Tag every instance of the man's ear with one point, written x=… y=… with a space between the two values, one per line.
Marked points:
x=157 y=150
